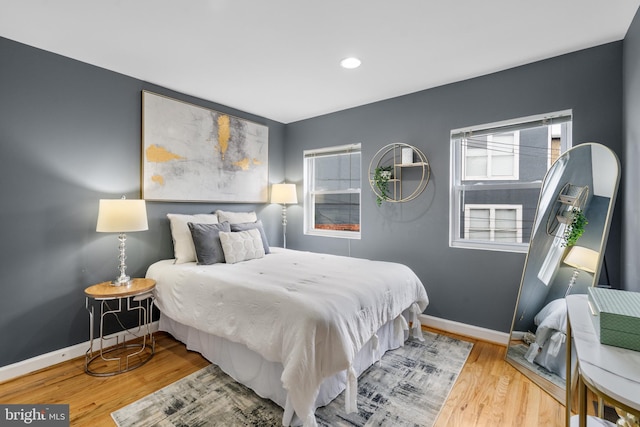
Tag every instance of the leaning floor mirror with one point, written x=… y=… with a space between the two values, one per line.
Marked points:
x=566 y=254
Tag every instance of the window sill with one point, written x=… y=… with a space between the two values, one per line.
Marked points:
x=337 y=233
x=504 y=247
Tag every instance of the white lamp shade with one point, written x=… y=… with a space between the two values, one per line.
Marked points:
x=582 y=258
x=284 y=193
x=122 y=216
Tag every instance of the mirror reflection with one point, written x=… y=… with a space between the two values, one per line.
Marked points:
x=566 y=256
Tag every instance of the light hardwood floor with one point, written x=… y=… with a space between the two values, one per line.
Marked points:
x=488 y=392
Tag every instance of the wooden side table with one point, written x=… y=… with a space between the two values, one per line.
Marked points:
x=115 y=355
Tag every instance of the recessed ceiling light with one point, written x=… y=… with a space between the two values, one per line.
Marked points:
x=350 y=63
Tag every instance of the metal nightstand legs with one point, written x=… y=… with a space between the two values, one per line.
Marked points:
x=124 y=351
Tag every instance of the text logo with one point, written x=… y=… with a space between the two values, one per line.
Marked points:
x=34 y=415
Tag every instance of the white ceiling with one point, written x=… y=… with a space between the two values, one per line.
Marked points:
x=280 y=58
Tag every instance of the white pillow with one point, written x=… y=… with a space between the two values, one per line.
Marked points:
x=236 y=217
x=183 y=248
x=553 y=315
x=241 y=245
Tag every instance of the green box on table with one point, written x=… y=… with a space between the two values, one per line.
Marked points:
x=616 y=317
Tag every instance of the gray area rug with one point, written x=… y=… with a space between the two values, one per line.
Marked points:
x=407 y=388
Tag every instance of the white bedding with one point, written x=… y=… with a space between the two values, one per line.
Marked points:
x=549 y=347
x=311 y=312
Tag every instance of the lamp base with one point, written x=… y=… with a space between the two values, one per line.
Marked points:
x=284 y=225
x=572 y=282
x=121 y=281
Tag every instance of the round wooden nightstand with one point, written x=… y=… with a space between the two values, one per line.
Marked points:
x=131 y=347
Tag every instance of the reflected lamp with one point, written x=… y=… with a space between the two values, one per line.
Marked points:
x=122 y=216
x=581 y=259
x=284 y=194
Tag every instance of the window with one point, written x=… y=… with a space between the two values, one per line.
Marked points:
x=494 y=223
x=332 y=191
x=496 y=175
x=555 y=143
x=492 y=157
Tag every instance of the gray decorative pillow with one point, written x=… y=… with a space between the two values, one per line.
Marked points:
x=183 y=250
x=250 y=226
x=241 y=245
x=206 y=241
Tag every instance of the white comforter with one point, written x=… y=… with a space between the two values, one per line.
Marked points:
x=311 y=312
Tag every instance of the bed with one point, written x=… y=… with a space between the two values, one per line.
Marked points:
x=296 y=327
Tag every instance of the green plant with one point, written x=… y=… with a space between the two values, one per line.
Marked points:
x=381 y=177
x=574 y=230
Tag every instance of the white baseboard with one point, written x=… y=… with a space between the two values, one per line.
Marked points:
x=477 y=332
x=518 y=335
x=53 y=358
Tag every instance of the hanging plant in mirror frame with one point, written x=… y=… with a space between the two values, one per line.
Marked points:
x=575 y=229
x=381 y=177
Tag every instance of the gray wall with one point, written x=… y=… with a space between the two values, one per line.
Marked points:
x=70 y=135
x=470 y=286
x=631 y=174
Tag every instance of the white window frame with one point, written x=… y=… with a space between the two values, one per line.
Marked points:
x=490 y=154
x=310 y=193
x=551 y=261
x=459 y=185
x=492 y=218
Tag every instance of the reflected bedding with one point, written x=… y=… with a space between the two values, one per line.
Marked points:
x=548 y=349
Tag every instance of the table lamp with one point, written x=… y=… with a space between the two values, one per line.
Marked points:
x=122 y=216
x=284 y=194
x=580 y=258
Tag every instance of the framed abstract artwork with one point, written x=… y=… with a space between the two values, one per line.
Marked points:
x=194 y=154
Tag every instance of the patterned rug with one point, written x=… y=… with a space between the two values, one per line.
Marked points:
x=407 y=388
